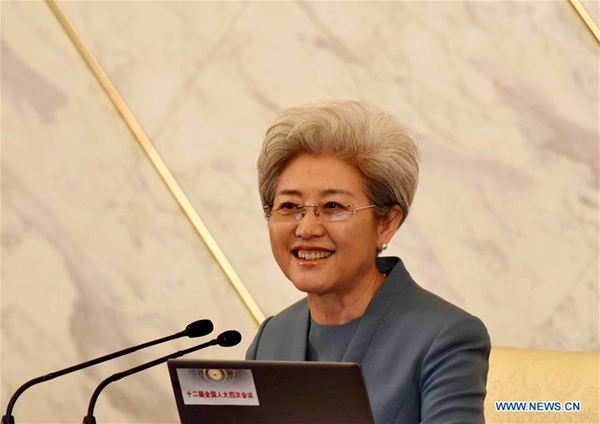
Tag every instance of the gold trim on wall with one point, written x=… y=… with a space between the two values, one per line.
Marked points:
x=157 y=161
x=583 y=13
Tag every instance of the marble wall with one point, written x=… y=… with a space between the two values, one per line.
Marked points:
x=98 y=256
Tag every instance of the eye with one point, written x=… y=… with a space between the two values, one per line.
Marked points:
x=287 y=207
x=332 y=206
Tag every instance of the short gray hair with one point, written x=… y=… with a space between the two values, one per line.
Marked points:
x=372 y=141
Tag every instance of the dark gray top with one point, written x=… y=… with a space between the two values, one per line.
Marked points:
x=328 y=343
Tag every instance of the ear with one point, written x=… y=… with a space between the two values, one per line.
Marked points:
x=387 y=227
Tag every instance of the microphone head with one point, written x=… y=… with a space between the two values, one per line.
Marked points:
x=229 y=338
x=199 y=328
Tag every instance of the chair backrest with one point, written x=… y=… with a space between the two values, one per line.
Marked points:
x=527 y=377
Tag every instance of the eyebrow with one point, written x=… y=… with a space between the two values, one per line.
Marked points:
x=327 y=192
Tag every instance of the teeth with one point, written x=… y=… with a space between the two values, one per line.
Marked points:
x=311 y=256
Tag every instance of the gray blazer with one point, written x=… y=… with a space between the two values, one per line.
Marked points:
x=424 y=360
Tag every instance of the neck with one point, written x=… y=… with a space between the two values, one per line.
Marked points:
x=337 y=308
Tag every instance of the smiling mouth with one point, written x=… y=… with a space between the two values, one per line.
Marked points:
x=311 y=255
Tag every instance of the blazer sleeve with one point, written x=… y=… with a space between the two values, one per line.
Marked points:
x=454 y=373
x=253 y=349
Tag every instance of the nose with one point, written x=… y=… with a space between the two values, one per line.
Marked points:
x=309 y=226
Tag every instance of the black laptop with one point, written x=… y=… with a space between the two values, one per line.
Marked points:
x=220 y=392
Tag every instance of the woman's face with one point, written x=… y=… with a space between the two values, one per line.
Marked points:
x=346 y=249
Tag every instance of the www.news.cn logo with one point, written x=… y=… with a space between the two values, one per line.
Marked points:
x=537 y=406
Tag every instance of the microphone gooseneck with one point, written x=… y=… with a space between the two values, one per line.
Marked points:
x=195 y=329
x=225 y=339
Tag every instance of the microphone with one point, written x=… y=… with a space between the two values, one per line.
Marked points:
x=226 y=339
x=195 y=329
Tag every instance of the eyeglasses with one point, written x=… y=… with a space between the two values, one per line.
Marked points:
x=328 y=211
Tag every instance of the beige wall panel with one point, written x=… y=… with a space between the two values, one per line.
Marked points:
x=503 y=98
x=96 y=255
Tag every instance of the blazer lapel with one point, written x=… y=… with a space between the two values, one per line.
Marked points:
x=296 y=350
x=397 y=278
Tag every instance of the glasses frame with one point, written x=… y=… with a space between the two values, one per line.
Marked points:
x=268 y=210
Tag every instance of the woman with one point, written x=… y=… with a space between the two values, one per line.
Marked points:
x=337 y=180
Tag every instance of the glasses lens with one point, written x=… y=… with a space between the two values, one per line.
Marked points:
x=286 y=212
x=333 y=211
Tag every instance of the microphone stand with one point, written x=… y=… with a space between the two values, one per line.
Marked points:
x=229 y=338
x=191 y=329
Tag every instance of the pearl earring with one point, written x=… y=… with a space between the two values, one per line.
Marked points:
x=382 y=248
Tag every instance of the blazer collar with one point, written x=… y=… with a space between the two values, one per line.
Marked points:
x=301 y=327
x=397 y=279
